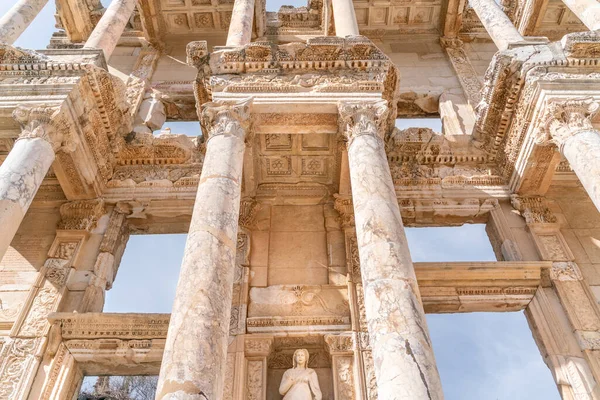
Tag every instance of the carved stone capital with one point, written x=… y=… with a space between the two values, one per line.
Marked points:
x=564 y=119
x=45 y=122
x=225 y=119
x=363 y=118
x=533 y=209
x=345 y=207
x=248 y=210
x=339 y=344
x=80 y=215
x=258 y=346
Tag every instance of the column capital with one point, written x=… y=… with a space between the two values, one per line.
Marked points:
x=363 y=118
x=225 y=119
x=45 y=122
x=563 y=119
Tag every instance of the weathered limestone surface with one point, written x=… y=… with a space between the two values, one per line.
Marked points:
x=240 y=28
x=588 y=11
x=196 y=348
x=497 y=24
x=345 y=18
x=110 y=28
x=402 y=353
x=18 y=18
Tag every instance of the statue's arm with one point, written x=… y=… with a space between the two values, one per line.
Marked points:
x=314 y=385
x=286 y=384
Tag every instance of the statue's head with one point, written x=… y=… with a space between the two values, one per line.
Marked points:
x=301 y=358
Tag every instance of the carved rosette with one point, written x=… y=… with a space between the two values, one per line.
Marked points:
x=565 y=119
x=225 y=119
x=45 y=122
x=363 y=118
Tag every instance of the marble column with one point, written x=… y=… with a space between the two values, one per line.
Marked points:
x=403 y=357
x=240 y=27
x=568 y=124
x=588 y=11
x=23 y=170
x=496 y=23
x=106 y=34
x=194 y=360
x=344 y=18
x=18 y=18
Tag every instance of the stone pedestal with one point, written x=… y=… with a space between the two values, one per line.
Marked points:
x=568 y=125
x=402 y=353
x=194 y=360
x=240 y=27
x=344 y=18
x=496 y=23
x=22 y=172
x=588 y=11
x=110 y=28
x=18 y=18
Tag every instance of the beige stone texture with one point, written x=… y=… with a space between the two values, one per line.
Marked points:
x=295 y=208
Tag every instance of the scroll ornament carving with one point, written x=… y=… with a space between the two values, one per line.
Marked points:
x=345 y=379
x=565 y=119
x=225 y=119
x=45 y=122
x=254 y=382
x=57 y=271
x=36 y=320
x=363 y=118
x=248 y=210
x=565 y=271
x=15 y=365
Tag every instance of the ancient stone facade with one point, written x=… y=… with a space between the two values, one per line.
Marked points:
x=296 y=194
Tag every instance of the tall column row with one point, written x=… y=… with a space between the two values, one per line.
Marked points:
x=195 y=354
x=402 y=353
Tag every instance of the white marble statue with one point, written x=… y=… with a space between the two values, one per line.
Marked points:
x=300 y=382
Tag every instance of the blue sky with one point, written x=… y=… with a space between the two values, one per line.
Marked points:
x=481 y=356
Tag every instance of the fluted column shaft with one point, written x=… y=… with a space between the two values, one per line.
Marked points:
x=588 y=11
x=193 y=365
x=497 y=24
x=567 y=123
x=18 y=18
x=344 y=18
x=106 y=34
x=240 y=27
x=402 y=353
x=22 y=172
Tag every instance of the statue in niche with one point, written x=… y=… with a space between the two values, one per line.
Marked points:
x=300 y=382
